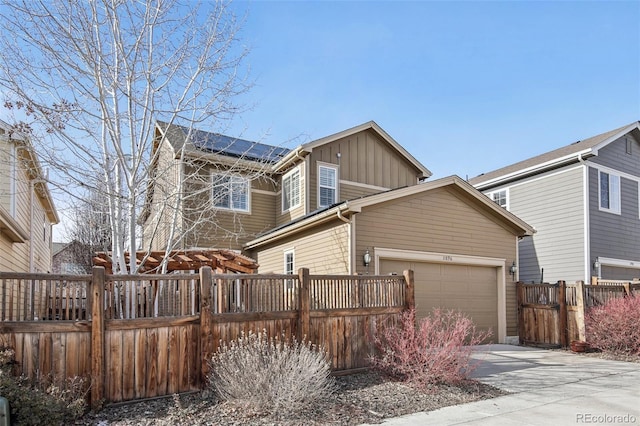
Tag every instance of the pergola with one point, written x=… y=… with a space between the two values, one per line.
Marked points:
x=222 y=261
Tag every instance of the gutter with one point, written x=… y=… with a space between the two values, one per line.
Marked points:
x=287 y=159
x=533 y=170
x=307 y=223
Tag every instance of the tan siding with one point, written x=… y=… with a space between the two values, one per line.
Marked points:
x=288 y=216
x=323 y=251
x=364 y=158
x=15 y=257
x=437 y=221
x=349 y=192
x=157 y=226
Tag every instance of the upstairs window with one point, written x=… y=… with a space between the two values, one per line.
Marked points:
x=291 y=190
x=609 y=192
x=500 y=198
x=327 y=185
x=230 y=192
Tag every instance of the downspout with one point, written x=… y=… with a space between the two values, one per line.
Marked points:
x=342 y=218
x=31 y=235
x=587 y=240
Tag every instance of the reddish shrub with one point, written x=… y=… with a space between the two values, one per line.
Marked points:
x=436 y=350
x=613 y=327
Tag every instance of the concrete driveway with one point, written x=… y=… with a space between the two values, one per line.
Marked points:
x=548 y=388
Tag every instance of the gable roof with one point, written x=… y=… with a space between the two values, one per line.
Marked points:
x=356 y=205
x=549 y=160
x=309 y=146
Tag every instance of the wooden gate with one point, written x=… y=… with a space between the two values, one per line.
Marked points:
x=542 y=314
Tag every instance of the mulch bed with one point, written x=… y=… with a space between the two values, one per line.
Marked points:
x=360 y=398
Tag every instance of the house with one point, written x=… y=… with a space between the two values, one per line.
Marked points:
x=27 y=212
x=352 y=202
x=71 y=258
x=583 y=201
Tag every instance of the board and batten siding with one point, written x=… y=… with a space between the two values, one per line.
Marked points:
x=615 y=156
x=554 y=205
x=364 y=158
x=439 y=221
x=615 y=235
x=324 y=250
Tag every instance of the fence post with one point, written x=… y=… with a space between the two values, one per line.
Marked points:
x=303 y=319
x=562 y=313
x=520 y=299
x=409 y=298
x=206 y=321
x=97 y=336
x=580 y=311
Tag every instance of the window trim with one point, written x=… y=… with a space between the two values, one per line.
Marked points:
x=285 y=253
x=247 y=184
x=506 y=197
x=298 y=202
x=336 y=188
x=615 y=203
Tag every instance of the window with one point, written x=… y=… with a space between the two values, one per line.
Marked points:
x=327 y=185
x=289 y=267
x=609 y=192
x=230 y=192
x=500 y=198
x=291 y=190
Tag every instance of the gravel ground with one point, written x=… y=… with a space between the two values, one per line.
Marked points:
x=359 y=398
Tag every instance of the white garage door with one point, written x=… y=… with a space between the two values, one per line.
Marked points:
x=471 y=289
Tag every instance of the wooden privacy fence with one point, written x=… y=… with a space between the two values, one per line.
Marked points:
x=140 y=336
x=553 y=314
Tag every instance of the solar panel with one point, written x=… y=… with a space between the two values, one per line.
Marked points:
x=235 y=147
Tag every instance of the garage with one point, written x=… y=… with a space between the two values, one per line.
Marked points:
x=470 y=288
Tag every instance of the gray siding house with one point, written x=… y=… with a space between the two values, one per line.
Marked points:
x=583 y=201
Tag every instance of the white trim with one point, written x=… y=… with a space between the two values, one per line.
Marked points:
x=292 y=252
x=298 y=201
x=363 y=185
x=541 y=166
x=615 y=197
x=458 y=259
x=587 y=225
x=262 y=191
x=536 y=178
x=246 y=180
x=506 y=196
x=620 y=263
x=353 y=266
x=336 y=188
x=13 y=171
x=609 y=170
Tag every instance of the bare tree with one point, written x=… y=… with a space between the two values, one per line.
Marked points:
x=93 y=77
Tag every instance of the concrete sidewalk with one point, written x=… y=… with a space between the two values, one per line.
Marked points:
x=548 y=388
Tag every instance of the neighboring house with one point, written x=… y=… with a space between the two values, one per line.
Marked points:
x=583 y=201
x=328 y=203
x=71 y=258
x=27 y=212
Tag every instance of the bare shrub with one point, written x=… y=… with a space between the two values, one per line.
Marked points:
x=47 y=401
x=613 y=327
x=437 y=350
x=271 y=375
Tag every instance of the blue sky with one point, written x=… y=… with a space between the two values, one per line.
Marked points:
x=466 y=87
